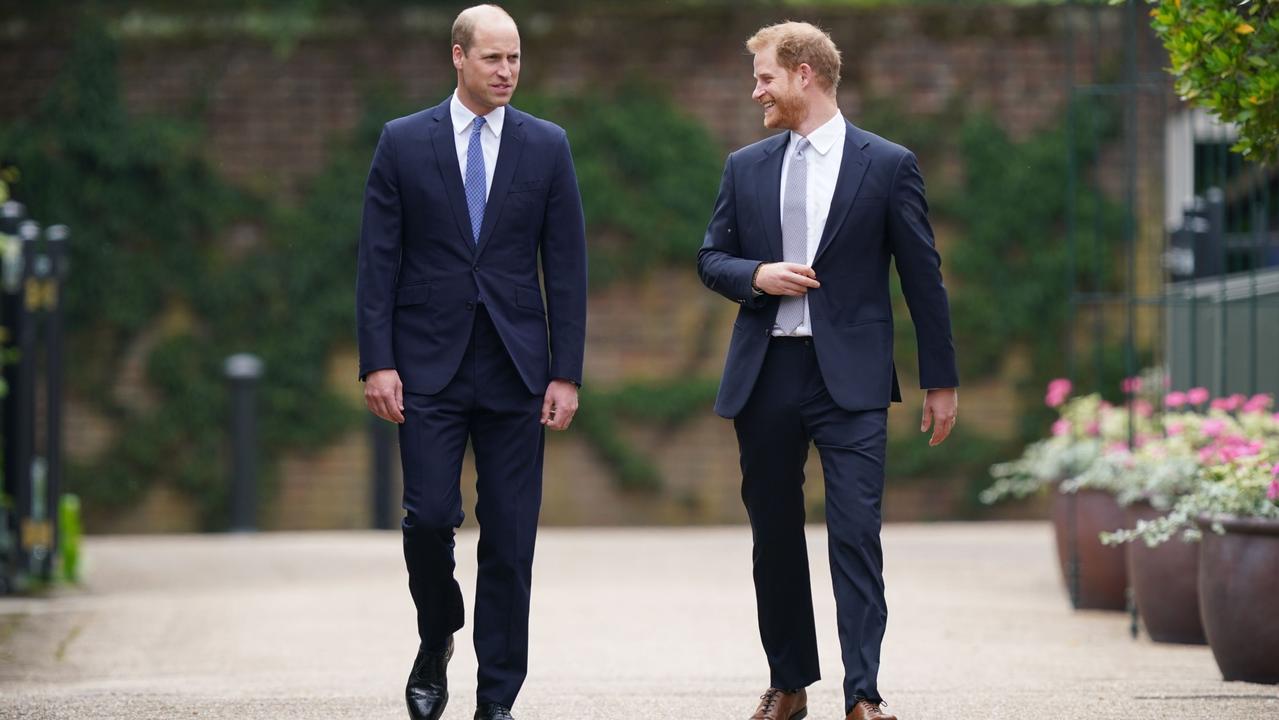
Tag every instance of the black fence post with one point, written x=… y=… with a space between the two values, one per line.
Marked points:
x=32 y=540
x=55 y=237
x=244 y=370
x=11 y=215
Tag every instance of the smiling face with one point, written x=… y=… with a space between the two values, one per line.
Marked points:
x=779 y=91
x=489 y=70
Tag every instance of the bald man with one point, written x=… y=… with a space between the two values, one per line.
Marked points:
x=457 y=343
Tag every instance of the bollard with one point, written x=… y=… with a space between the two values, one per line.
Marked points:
x=243 y=370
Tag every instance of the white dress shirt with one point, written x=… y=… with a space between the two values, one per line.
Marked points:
x=490 y=137
x=824 y=155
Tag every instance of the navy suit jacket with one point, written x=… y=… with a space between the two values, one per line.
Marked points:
x=878 y=214
x=421 y=276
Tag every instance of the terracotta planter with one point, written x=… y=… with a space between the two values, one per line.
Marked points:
x=1165 y=584
x=1238 y=591
x=1095 y=574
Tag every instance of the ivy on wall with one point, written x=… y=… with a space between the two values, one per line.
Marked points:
x=156 y=282
x=153 y=269
x=152 y=275
x=649 y=176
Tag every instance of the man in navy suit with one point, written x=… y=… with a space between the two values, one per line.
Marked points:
x=456 y=343
x=802 y=234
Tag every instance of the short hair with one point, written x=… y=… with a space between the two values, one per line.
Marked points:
x=797 y=43
x=464 y=25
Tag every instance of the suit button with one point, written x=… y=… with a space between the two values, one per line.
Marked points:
x=475 y=268
x=470 y=306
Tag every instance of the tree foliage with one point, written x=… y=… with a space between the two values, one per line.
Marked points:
x=1225 y=58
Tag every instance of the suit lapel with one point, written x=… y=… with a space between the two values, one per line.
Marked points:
x=851 y=171
x=450 y=174
x=508 y=158
x=768 y=194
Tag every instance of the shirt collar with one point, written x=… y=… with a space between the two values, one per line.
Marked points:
x=462 y=117
x=824 y=137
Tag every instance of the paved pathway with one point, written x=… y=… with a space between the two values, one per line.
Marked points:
x=631 y=623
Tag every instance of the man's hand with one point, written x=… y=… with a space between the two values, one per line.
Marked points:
x=560 y=404
x=384 y=394
x=941 y=408
x=785 y=278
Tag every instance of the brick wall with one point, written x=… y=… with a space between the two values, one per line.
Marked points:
x=270 y=115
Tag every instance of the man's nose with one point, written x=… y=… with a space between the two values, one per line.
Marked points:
x=758 y=93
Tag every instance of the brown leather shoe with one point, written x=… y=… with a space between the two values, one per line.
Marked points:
x=777 y=704
x=867 y=710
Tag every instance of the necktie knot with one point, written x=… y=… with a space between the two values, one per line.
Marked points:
x=801 y=147
x=477 y=125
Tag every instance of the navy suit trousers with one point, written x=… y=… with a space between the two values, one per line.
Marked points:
x=789 y=407
x=488 y=403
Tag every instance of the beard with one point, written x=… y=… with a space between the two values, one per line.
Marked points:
x=787 y=113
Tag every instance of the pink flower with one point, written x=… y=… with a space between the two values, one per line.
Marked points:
x=1175 y=399
x=1212 y=427
x=1093 y=428
x=1061 y=427
x=1230 y=403
x=1175 y=428
x=1223 y=403
x=1117 y=448
x=1257 y=403
x=1143 y=408
x=1058 y=391
x=1197 y=396
x=1272 y=492
x=1275 y=470
x=1131 y=385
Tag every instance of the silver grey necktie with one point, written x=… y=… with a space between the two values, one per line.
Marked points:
x=790 y=313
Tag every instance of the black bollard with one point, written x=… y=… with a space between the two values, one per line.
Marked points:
x=244 y=370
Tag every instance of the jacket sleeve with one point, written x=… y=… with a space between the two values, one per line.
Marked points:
x=563 y=244
x=919 y=265
x=720 y=264
x=379 y=260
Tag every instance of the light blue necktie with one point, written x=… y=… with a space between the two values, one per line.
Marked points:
x=475 y=179
x=790 y=312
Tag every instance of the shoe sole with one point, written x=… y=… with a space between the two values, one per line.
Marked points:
x=803 y=713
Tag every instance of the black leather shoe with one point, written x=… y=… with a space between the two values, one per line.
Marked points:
x=428 y=690
x=493 y=711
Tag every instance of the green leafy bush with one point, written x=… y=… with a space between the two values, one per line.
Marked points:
x=1225 y=57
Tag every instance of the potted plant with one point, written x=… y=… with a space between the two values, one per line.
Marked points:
x=1233 y=510
x=1094 y=574
x=1147 y=479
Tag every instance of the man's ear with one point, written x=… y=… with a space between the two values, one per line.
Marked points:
x=458 y=54
x=805 y=74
